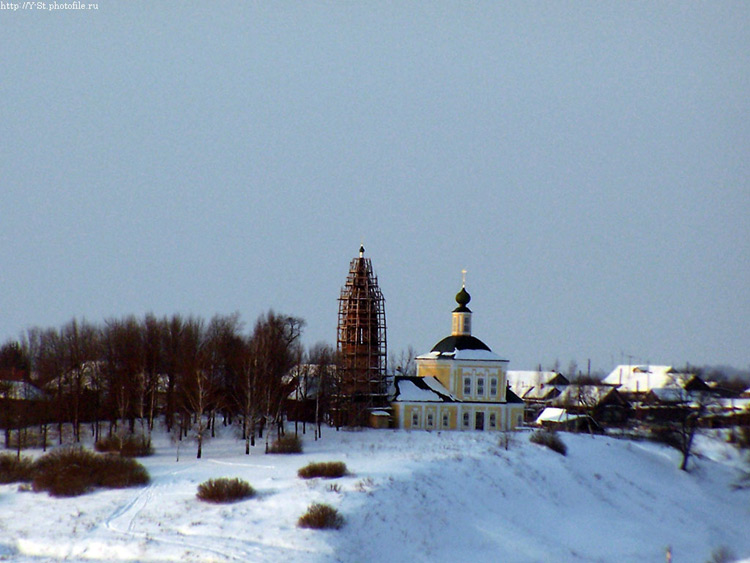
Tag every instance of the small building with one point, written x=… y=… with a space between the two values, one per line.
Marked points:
x=634 y=382
x=539 y=385
x=537 y=389
x=461 y=384
x=603 y=403
x=556 y=418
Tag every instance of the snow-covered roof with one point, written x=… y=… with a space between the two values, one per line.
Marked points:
x=643 y=378
x=541 y=392
x=521 y=381
x=584 y=395
x=468 y=354
x=670 y=394
x=555 y=414
x=421 y=389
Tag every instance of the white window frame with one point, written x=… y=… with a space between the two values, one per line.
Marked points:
x=467 y=380
x=480 y=386
x=466 y=419
x=493 y=420
x=415 y=419
x=430 y=419
x=493 y=386
x=446 y=420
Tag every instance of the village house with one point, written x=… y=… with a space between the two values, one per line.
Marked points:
x=537 y=389
x=634 y=382
x=603 y=403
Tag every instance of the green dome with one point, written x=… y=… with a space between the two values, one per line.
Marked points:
x=463 y=297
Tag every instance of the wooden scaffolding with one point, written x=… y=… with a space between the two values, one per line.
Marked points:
x=361 y=382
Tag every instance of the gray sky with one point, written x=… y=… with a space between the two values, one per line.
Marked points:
x=586 y=162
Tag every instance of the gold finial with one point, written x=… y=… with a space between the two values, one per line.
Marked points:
x=463 y=277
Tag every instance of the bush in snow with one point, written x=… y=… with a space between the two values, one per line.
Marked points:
x=329 y=470
x=549 y=439
x=225 y=490
x=74 y=471
x=321 y=517
x=286 y=445
x=132 y=446
x=14 y=469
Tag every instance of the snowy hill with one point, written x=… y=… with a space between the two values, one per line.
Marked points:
x=412 y=496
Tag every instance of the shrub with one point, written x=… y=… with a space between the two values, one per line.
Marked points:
x=329 y=470
x=131 y=446
x=321 y=517
x=224 y=490
x=14 y=469
x=74 y=471
x=550 y=440
x=286 y=445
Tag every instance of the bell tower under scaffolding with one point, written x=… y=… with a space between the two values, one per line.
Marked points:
x=361 y=382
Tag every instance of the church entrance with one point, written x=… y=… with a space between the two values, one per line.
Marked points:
x=479 y=421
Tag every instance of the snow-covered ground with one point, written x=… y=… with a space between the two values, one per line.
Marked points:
x=411 y=496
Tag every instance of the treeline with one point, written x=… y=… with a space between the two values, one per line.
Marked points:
x=127 y=372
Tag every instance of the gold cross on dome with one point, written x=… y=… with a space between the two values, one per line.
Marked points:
x=463 y=277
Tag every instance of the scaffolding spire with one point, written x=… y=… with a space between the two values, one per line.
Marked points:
x=361 y=344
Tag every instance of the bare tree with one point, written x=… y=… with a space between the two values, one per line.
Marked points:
x=195 y=383
x=221 y=345
x=248 y=391
x=275 y=339
x=406 y=363
x=153 y=331
x=323 y=357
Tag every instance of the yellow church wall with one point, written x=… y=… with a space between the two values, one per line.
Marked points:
x=440 y=371
x=487 y=374
x=451 y=416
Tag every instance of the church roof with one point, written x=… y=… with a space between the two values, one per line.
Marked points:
x=461 y=347
x=460 y=342
x=421 y=389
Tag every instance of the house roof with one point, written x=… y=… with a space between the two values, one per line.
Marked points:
x=643 y=378
x=670 y=395
x=511 y=397
x=555 y=414
x=541 y=393
x=523 y=381
x=588 y=395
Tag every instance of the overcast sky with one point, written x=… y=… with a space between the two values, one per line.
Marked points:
x=586 y=162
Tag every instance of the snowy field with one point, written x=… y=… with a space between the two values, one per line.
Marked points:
x=411 y=497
